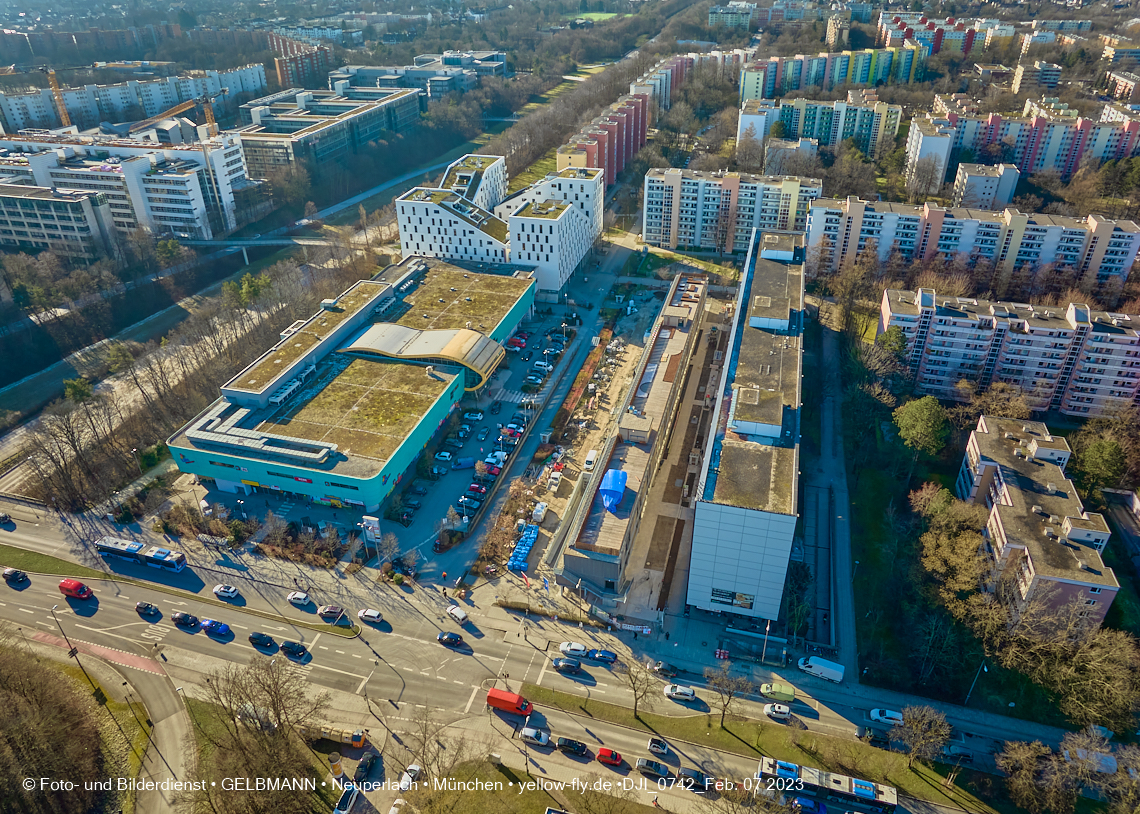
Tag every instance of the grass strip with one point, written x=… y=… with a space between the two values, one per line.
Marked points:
x=969 y=790
x=46 y=565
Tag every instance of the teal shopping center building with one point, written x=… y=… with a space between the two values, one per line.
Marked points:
x=341 y=408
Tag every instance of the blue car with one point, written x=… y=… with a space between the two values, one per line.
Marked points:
x=808 y=806
x=604 y=656
x=215 y=627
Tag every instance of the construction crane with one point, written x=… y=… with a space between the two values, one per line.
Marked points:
x=205 y=102
x=64 y=117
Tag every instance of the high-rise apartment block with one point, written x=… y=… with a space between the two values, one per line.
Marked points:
x=1124 y=86
x=872 y=125
x=1044 y=139
x=838 y=32
x=1100 y=250
x=133 y=100
x=717 y=211
x=732 y=15
x=299 y=64
x=549 y=226
x=777 y=76
x=1038 y=535
x=977 y=186
x=1070 y=359
x=1040 y=75
x=758 y=114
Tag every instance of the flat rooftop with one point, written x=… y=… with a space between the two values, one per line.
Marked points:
x=1041 y=498
x=464 y=175
x=449 y=297
x=550 y=210
x=984 y=215
x=43 y=193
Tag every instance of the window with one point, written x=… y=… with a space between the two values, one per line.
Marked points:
x=1094 y=590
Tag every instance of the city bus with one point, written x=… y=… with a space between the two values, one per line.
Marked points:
x=154 y=556
x=791 y=780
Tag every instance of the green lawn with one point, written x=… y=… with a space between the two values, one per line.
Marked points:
x=536 y=171
x=971 y=791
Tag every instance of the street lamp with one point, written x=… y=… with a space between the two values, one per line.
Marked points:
x=855 y=570
x=72 y=652
x=138 y=460
x=563 y=331
x=981 y=669
x=241 y=508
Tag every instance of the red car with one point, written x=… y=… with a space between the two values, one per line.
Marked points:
x=609 y=757
x=509 y=432
x=523 y=334
x=477 y=488
x=494 y=470
x=514 y=341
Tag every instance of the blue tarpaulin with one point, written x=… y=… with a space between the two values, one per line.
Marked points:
x=613 y=488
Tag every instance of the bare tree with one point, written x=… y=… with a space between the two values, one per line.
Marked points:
x=925 y=178
x=924 y=731
x=388 y=547
x=640 y=682
x=728 y=687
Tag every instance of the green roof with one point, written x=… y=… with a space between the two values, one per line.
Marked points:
x=551 y=210
x=481 y=299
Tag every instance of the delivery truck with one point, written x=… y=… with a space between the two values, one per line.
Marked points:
x=508 y=702
x=784 y=693
x=822 y=668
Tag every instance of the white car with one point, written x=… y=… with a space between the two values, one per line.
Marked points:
x=299 y=598
x=779 y=712
x=887 y=716
x=443 y=456
x=410 y=776
x=370 y=615
x=398 y=804
x=457 y=613
x=573 y=649
x=225 y=591
x=679 y=692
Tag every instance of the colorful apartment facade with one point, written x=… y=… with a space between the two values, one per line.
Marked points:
x=1039 y=538
x=1074 y=360
x=1100 y=250
x=718 y=210
x=873 y=125
x=777 y=76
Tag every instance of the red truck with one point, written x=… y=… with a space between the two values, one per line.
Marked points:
x=509 y=702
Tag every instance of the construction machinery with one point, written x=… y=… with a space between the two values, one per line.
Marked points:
x=205 y=102
x=61 y=107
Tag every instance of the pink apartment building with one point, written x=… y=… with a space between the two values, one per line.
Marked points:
x=1073 y=360
x=1038 y=532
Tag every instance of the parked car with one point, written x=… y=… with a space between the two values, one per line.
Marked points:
x=299 y=598
x=571 y=746
x=535 y=380
x=526 y=356
x=294 y=649
x=330 y=611
x=184 y=619
x=886 y=716
x=419 y=491
x=661 y=669
x=483 y=433
x=410 y=776
x=464 y=433
x=475 y=487
x=496 y=406
x=473 y=415
x=443 y=455
x=679 y=692
x=609 y=757
x=778 y=712
x=146 y=609
x=347 y=799
x=260 y=639
x=370 y=615
x=694 y=780
x=651 y=767
x=225 y=591
x=604 y=656
x=573 y=649
x=453 y=444
x=413 y=505
x=567 y=665
x=364 y=767
x=469 y=502
x=873 y=736
x=493 y=470
x=535 y=737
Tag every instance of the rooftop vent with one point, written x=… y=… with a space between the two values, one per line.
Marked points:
x=1010 y=435
x=1052 y=535
x=1051 y=487
x=1054 y=519
x=1038 y=510
x=1082 y=565
x=430 y=371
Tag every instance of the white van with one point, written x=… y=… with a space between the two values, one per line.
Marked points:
x=539 y=513
x=457 y=613
x=591 y=460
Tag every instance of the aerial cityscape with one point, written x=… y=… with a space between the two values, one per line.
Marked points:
x=570 y=407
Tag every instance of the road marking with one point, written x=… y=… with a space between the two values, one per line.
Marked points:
x=364 y=683
x=542 y=672
x=425 y=674
x=314 y=642
x=240 y=627
x=474 y=691
x=338 y=651
x=322 y=647
x=456 y=681
x=25 y=610
x=356 y=655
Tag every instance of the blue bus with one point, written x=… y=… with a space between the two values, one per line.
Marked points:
x=776 y=777
x=154 y=556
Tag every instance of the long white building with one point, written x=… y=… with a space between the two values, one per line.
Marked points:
x=127 y=101
x=718 y=210
x=195 y=193
x=549 y=226
x=1101 y=250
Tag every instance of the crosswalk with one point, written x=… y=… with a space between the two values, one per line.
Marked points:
x=285 y=508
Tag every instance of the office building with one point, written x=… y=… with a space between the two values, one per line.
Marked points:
x=977 y=186
x=68 y=223
x=1038 y=76
x=1038 y=535
x=1100 y=250
x=299 y=64
x=1050 y=138
x=732 y=15
x=436 y=74
x=598 y=560
x=133 y=100
x=782 y=153
x=746 y=495
x=1069 y=359
x=338 y=412
x=1124 y=86
x=548 y=227
x=319 y=126
x=873 y=125
x=777 y=76
x=718 y=211
x=198 y=191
